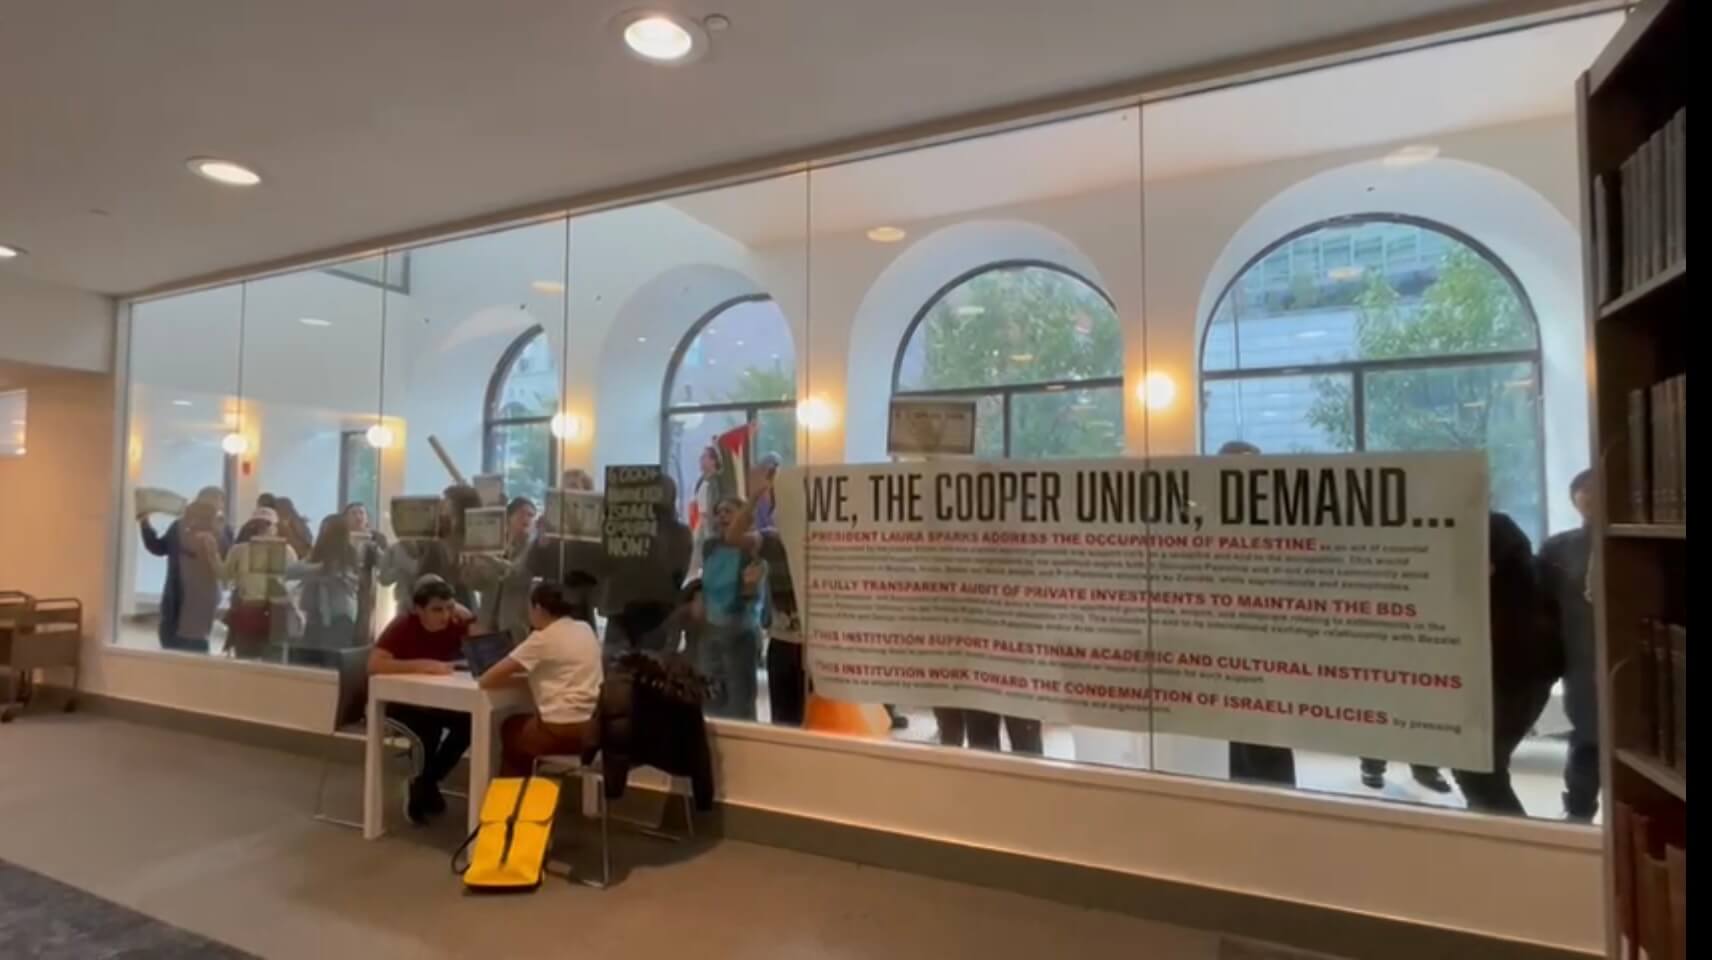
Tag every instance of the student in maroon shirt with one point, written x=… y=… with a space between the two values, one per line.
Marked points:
x=427 y=640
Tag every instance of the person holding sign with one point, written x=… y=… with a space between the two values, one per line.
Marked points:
x=647 y=553
x=504 y=580
x=1526 y=662
x=1565 y=559
x=200 y=563
x=249 y=613
x=1258 y=762
x=734 y=587
x=442 y=557
x=332 y=579
x=166 y=545
x=787 y=680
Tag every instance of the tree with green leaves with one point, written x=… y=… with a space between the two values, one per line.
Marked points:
x=1469 y=309
x=776 y=429
x=1028 y=325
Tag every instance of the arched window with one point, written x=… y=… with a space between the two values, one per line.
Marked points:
x=1037 y=348
x=1380 y=332
x=517 y=433
x=735 y=366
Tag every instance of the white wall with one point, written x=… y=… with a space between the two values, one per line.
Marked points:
x=54 y=326
x=55 y=505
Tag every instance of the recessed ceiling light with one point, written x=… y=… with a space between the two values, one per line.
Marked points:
x=886 y=234
x=314 y=322
x=181 y=403
x=548 y=286
x=641 y=339
x=659 y=37
x=1414 y=153
x=223 y=171
x=9 y=252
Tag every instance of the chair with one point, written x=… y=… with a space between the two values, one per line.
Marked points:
x=586 y=768
x=36 y=635
x=350 y=709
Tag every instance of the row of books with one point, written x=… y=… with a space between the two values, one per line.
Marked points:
x=1652 y=888
x=1658 y=457
x=1662 y=684
x=1641 y=214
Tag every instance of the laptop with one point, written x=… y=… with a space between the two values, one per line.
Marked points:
x=484 y=650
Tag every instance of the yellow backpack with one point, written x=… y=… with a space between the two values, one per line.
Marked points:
x=508 y=850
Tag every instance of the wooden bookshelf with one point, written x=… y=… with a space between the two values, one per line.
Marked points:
x=1636 y=269
x=1663 y=776
x=1674 y=277
x=1647 y=531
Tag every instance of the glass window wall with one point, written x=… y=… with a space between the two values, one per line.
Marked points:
x=1397 y=271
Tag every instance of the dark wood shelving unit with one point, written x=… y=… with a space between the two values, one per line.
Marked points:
x=1663 y=776
x=1656 y=288
x=1647 y=531
x=1636 y=325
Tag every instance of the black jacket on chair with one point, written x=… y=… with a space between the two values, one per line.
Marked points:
x=651 y=716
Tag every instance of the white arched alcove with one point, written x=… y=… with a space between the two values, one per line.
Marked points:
x=445 y=392
x=906 y=286
x=1511 y=219
x=646 y=331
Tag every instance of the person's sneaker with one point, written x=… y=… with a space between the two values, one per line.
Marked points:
x=1373 y=781
x=417 y=805
x=1432 y=779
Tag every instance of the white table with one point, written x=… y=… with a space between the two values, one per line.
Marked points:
x=456 y=692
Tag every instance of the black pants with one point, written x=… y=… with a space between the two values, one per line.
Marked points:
x=1377 y=768
x=980 y=730
x=787 y=684
x=1581 y=779
x=638 y=626
x=1513 y=715
x=1255 y=763
x=445 y=735
x=1581 y=705
x=186 y=644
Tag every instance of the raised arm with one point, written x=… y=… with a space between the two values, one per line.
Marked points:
x=741 y=533
x=152 y=541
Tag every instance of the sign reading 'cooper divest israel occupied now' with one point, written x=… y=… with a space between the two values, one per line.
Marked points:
x=1329 y=603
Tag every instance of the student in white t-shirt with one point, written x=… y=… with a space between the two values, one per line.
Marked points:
x=561 y=661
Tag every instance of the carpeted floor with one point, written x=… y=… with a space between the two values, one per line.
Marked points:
x=44 y=919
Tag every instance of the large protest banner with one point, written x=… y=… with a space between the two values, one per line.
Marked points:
x=1334 y=603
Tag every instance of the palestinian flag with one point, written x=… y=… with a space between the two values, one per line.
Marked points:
x=732 y=479
x=733 y=446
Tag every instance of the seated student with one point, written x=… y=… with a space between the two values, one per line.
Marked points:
x=427 y=639
x=561 y=661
